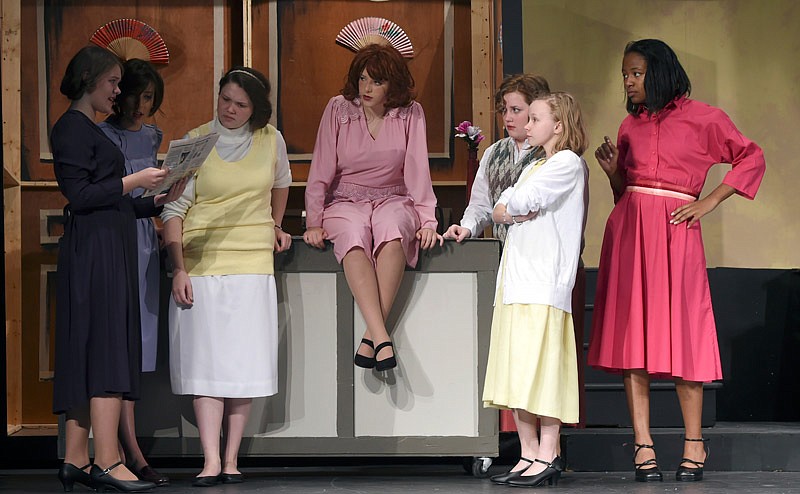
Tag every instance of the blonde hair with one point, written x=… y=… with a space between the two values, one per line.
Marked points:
x=565 y=109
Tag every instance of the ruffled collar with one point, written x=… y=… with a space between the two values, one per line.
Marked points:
x=351 y=110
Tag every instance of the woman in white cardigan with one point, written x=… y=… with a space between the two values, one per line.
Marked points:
x=532 y=365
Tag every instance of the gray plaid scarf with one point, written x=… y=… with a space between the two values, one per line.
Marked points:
x=502 y=173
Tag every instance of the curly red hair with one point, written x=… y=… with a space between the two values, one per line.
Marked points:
x=383 y=63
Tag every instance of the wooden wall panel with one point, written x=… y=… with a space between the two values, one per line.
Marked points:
x=312 y=67
x=198 y=35
x=57 y=29
x=456 y=170
x=37 y=389
x=260 y=38
x=10 y=24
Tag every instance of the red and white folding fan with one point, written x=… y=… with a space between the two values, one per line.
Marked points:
x=129 y=38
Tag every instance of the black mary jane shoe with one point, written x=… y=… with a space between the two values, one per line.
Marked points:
x=150 y=474
x=643 y=474
x=69 y=474
x=206 y=481
x=104 y=481
x=363 y=361
x=503 y=478
x=692 y=474
x=387 y=363
x=231 y=478
x=549 y=475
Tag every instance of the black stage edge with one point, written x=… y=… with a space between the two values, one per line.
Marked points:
x=734 y=446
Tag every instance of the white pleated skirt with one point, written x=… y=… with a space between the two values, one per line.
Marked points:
x=226 y=344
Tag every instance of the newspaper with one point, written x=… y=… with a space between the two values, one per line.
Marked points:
x=183 y=159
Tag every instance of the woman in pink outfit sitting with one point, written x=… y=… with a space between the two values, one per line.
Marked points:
x=369 y=189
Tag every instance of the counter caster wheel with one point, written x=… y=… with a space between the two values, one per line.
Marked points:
x=478 y=467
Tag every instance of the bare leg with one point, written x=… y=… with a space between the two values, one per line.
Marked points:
x=132 y=454
x=77 y=437
x=237 y=411
x=548 y=443
x=637 y=390
x=528 y=437
x=208 y=411
x=390 y=263
x=363 y=282
x=104 y=412
x=690 y=396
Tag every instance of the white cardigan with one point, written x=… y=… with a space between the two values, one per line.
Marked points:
x=541 y=255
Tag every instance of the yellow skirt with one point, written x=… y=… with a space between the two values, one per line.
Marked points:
x=532 y=361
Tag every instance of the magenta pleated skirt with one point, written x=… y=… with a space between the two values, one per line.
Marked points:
x=652 y=309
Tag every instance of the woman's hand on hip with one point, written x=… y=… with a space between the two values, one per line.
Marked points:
x=692 y=212
x=182 y=288
x=428 y=238
x=282 y=240
x=315 y=237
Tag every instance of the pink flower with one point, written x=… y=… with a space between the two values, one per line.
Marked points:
x=470 y=133
x=463 y=127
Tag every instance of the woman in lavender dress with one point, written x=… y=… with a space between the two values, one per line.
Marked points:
x=142 y=91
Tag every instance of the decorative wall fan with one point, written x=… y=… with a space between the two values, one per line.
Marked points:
x=129 y=38
x=368 y=30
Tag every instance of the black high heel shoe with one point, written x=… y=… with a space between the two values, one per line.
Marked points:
x=692 y=474
x=364 y=361
x=503 y=478
x=387 y=363
x=103 y=481
x=646 y=474
x=549 y=475
x=68 y=474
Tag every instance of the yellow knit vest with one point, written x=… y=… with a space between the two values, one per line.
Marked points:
x=229 y=229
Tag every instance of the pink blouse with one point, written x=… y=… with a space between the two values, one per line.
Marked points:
x=345 y=153
x=679 y=144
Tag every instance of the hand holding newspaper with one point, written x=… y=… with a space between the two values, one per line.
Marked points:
x=184 y=157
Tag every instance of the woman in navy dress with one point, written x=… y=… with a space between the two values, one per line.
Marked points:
x=98 y=337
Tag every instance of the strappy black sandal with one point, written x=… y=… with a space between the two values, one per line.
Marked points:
x=646 y=474
x=695 y=473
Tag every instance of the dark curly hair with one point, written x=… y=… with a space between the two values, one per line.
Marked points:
x=383 y=63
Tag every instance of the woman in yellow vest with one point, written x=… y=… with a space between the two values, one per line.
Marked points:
x=221 y=236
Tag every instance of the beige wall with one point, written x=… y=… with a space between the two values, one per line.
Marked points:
x=741 y=55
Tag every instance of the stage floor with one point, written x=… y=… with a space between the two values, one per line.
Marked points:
x=440 y=479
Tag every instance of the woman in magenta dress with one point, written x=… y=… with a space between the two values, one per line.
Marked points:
x=653 y=315
x=369 y=189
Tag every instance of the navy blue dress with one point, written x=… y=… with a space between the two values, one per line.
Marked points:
x=98 y=335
